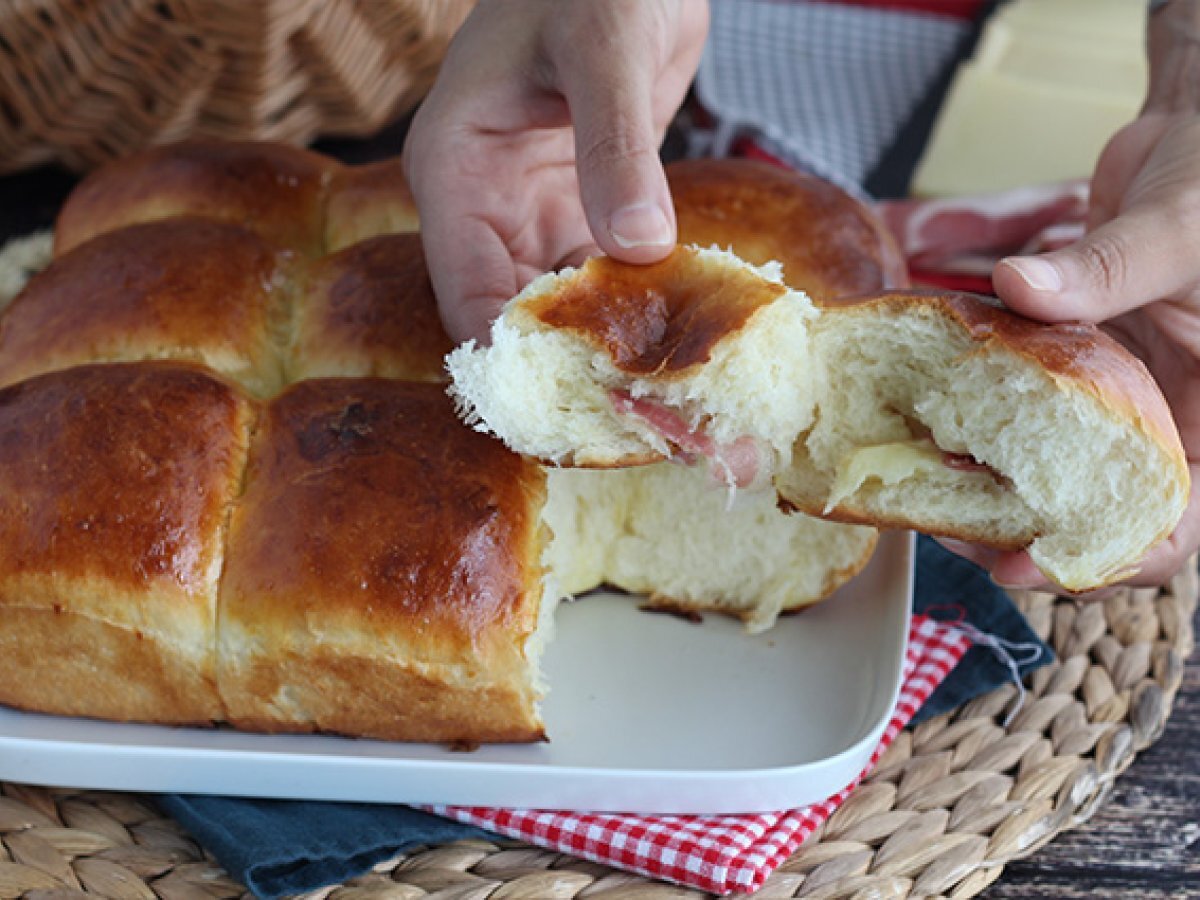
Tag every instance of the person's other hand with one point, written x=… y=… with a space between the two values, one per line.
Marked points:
x=1137 y=270
x=538 y=144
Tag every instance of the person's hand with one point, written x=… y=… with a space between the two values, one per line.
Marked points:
x=1137 y=270
x=538 y=144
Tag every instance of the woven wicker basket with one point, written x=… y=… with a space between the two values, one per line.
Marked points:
x=82 y=81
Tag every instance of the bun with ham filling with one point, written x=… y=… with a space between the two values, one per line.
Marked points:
x=615 y=365
x=939 y=412
x=951 y=415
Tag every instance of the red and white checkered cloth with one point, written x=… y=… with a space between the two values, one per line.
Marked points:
x=720 y=854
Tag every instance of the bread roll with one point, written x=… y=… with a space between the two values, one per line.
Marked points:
x=582 y=362
x=369 y=310
x=182 y=288
x=670 y=532
x=950 y=415
x=383 y=574
x=384 y=571
x=829 y=244
x=274 y=190
x=366 y=201
x=115 y=484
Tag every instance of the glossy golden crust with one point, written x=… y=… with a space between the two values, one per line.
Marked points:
x=369 y=310
x=382 y=573
x=664 y=319
x=1081 y=356
x=830 y=244
x=366 y=201
x=184 y=288
x=275 y=190
x=115 y=482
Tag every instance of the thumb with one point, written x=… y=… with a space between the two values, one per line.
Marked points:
x=1130 y=261
x=609 y=85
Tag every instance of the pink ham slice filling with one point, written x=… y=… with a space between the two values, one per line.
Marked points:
x=738 y=462
x=965 y=462
x=741 y=461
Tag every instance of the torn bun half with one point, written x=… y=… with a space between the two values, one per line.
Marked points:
x=948 y=414
x=615 y=365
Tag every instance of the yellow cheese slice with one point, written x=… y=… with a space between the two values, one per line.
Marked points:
x=889 y=463
x=998 y=132
x=1114 y=69
x=1111 y=20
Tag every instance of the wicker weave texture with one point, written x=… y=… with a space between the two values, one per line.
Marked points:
x=84 y=81
x=952 y=801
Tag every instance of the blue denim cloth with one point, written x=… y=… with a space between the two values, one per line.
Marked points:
x=949 y=587
x=281 y=847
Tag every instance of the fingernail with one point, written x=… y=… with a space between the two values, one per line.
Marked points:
x=640 y=225
x=1039 y=274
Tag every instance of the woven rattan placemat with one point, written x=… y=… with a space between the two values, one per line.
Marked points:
x=953 y=800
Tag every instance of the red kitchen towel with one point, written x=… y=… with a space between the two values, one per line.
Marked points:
x=720 y=854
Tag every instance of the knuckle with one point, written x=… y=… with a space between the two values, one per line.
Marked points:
x=1107 y=260
x=618 y=145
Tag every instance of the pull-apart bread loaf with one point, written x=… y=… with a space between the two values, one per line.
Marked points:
x=233 y=487
x=940 y=412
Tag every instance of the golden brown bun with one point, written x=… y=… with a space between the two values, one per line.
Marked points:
x=382 y=574
x=1082 y=356
x=115 y=483
x=613 y=364
x=577 y=358
x=369 y=310
x=182 y=288
x=662 y=319
x=273 y=189
x=365 y=201
x=945 y=413
x=830 y=244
